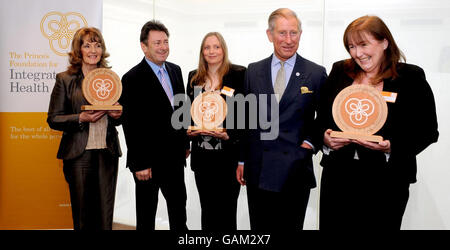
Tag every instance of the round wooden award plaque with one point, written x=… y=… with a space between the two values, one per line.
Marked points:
x=102 y=88
x=208 y=111
x=359 y=111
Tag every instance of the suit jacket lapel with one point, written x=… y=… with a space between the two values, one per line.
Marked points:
x=173 y=79
x=152 y=78
x=265 y=78
x=264 y=81
x=150 y=75
x=390 y=86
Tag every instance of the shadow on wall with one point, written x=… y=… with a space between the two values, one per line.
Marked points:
x=444 y=60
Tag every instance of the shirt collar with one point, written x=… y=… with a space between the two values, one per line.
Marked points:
x=155 y=67
x=290 y=61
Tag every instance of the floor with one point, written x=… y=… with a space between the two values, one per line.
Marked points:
x=119 y=226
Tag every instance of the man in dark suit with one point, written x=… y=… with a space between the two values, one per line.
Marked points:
x=156 y=151
x=278 y=168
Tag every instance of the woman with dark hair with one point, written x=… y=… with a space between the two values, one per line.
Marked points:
x=89 y=147
x=366 y=184
x=214 y=154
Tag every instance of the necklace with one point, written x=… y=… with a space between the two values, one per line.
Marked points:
x=210 y=87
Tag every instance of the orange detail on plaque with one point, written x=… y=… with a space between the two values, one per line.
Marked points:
x=359 y=111
x=102 y=88
x=208 y=111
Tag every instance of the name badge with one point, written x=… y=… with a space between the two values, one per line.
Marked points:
x=389 y=96
x=227 y=91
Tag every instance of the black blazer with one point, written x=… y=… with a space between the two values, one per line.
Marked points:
x=64 y=112
x=270 y=163
x=233 y=79
x=151 y=140
x=411 y=124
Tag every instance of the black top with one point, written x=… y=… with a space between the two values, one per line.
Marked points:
x=202 y=145
x=411 y=124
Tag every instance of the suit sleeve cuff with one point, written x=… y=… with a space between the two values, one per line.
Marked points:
x=310 y=144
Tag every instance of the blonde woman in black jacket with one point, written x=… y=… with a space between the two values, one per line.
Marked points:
x=214 y=155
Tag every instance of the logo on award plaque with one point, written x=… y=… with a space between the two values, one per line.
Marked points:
x=102 y=88
x=208 y=111
x=359 y=111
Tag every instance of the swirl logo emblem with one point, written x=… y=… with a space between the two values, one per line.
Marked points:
x=359 y=110
x=208 y=111
x=59 y=29
x=103 y=88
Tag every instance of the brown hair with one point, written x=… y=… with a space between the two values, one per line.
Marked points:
x=149 y=26
x=90 y=34
x=201 y=75
x=374 y=26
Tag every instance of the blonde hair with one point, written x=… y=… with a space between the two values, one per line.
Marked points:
x=201 y=75
x=91 y=34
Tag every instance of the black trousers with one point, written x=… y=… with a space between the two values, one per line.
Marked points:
x=92 y=179
x=360 y=196
x=270 y=211
x=170 y=181
x=218 y=191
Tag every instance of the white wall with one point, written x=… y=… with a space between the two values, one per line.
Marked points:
x=420 y=27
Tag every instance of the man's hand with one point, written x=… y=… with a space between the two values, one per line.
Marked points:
x=240 y=175
x=144 y=175
x=306 y=145
x=188 y=152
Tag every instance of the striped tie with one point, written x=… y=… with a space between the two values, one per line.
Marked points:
x=165 y=85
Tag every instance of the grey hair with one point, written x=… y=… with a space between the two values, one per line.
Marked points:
x=283 y=12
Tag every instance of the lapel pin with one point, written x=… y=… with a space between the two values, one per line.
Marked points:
x=297 y=74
